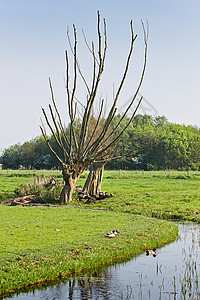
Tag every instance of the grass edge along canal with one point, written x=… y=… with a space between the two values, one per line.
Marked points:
x=41 y=244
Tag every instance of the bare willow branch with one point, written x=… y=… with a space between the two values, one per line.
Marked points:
x=62 y=147
x=95 y=128
x=105 y=43
x=113 y=108
x=101 y=136
x=133 y=38
x=48 y=144
x=91 y=99
x=78 y=65
x=51 y=128
x=91 y=50
x=145 y=32
x=94 y=68
x=75 y=71
x=58 y=114
x=67 y=82
x=120 y=134
x=73 y=130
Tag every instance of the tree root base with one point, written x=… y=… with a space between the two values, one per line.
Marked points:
x=92 y=198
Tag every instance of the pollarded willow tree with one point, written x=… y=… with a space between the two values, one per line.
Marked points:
x=82 y=147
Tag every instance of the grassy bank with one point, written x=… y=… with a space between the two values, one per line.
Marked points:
x=41 y=244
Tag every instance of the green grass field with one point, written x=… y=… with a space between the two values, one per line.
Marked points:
x=39 y=244
x=175 y=196
x=10 y=179
x=156 y=194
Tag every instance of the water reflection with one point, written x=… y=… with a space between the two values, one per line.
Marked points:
x=173 y=274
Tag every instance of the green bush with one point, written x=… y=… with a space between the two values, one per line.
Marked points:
x=43 y=193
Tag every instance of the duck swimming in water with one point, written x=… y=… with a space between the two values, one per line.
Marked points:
x=151 y=252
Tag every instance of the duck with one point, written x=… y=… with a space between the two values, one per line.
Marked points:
x=151 y=252
x=115 y=232
x=112 y=233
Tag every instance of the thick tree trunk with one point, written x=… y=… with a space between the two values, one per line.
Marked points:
x=93 y=182
x=70 y=177
x=99 y=180
x=66 y=194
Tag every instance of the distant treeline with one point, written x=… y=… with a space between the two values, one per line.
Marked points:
x=148 y=143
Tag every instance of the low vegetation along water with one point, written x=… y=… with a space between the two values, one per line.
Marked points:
x=173 y=274
x=39 y=244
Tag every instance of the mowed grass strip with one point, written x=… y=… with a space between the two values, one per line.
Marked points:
x=165 y=195
x=175 y=196
x=39 y=244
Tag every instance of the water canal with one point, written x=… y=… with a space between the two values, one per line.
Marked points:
x=173 y=274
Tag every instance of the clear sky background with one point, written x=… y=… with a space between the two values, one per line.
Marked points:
x=33 y=41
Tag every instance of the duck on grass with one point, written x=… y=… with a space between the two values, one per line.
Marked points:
x=112 y=234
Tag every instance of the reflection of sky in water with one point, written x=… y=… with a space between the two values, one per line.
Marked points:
x=171 y=275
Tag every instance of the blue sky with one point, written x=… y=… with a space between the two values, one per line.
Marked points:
x=33 y=42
